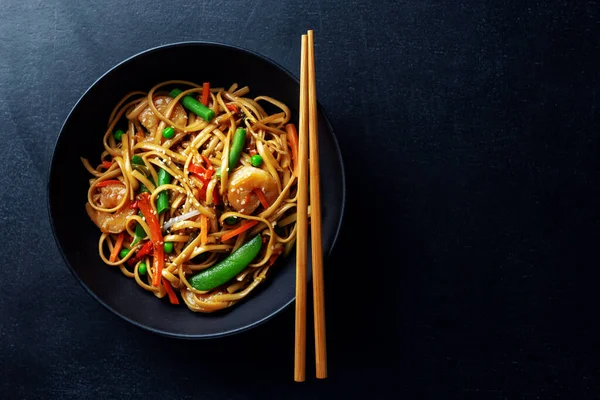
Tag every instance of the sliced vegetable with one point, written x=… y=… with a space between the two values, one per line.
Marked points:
x=243 y=228
x=262 y=198
x=140 y=233
x=203 y=229
x=109 y=182
x=137 y=160
x=118 y=135
x=172 y=297
x=168 y=247
x=155 y=235
x=194 y=106
x=256 y=160
x=117 y=247
x=141 y=253
x=205 y=93
x=162 y=200
x=142 y=269
x=232 y=107
x=292 y=136
x=107 y=164
x=123 y=253
x=168 y=132
x=228 y=268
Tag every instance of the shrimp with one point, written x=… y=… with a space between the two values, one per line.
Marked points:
x=242 y=184
x=150 y=121
x=110 y=196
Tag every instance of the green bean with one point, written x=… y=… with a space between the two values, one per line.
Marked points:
x=194 y=106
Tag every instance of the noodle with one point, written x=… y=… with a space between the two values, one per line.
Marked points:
x=207 y=199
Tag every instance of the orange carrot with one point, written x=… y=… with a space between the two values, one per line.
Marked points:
x=232 y=107
x=172 y=297
x=244 y=227
x=262 y=198
x=109 y=182
x=203 y=229
x=292 y=136
x=118 y=244
x=106 y=164
x=205 y=93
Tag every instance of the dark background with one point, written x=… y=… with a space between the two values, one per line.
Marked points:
x=467 y=265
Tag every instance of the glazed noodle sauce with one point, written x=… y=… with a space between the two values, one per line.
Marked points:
x=189 y=177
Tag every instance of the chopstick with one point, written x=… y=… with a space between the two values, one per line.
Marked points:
x=315 y=217
x=308 y=126
x=301 y=223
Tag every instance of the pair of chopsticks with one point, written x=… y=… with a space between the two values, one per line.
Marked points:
x=309 y=146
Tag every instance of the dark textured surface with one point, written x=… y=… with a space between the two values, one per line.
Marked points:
x=473 y=124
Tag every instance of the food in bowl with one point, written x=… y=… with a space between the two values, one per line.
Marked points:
x=195 y=191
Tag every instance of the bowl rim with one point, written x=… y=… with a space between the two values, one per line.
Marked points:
x=53 y=160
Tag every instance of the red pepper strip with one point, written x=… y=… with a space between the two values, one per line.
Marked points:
x=133 y=205
x=141 y=253
x=172 y=297
x=197 y=169
x=109 y=182
x=205 y=93
x=209 y=169
x=232 y=107
x=155 y=235
x=107 y=164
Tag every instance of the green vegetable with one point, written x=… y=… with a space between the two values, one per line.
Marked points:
x=256 y=160
x=137 y=160
x=168 y=132
x=168 y=247
x=124 y=253
x=227 y=269
x=142 y=269
x=140 y=233
x=231 y=220
x=239 y=138
x=162 y=202
x=118 y=135
x=194 y=106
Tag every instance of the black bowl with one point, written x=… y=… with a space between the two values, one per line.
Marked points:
x=81 y=136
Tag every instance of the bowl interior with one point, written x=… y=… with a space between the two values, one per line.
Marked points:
x=81 y=136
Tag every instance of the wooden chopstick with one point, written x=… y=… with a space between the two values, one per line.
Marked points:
x=302 y=223
x=315 y=217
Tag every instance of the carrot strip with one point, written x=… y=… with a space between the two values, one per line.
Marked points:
x=205 y=93
x=262 y=198
x=244 y=227
x=292 y=136
x=107 y=164
x=172 y=297
x=203 y=229
x=155 y=235
x=109 y=182
x=118 y=244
